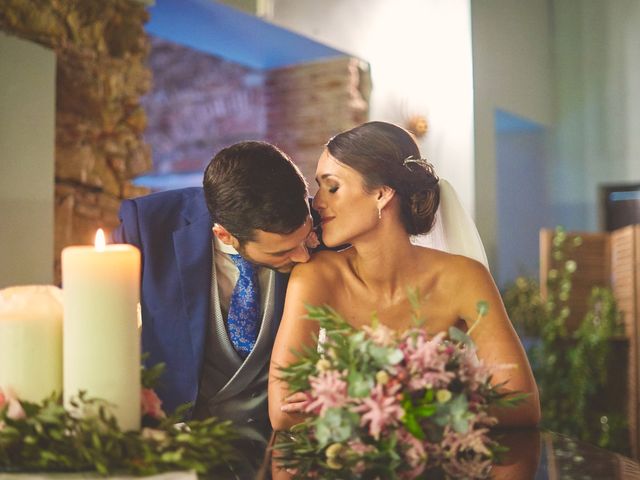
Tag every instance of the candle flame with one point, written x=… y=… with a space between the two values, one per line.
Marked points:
x=100 y=241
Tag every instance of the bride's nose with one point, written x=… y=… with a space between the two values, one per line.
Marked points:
x=317 y=203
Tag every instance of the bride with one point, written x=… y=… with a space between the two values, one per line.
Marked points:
x=374 y=194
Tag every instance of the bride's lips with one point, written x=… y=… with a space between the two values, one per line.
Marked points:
x=326 y=220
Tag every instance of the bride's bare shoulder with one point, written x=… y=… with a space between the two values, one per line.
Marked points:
x=452 y=266
x=314 y=281
x=326 y=264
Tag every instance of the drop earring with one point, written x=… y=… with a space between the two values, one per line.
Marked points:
x=379 y=213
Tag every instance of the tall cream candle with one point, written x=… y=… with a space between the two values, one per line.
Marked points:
x=101 y=290
x=31 y=341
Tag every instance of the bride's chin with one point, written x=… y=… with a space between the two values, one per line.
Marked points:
x=332 y=242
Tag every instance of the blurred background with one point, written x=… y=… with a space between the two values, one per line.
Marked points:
x=530 y=108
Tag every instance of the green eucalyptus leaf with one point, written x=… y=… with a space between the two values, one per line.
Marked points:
x=460 y=424
x=413 y=426
x=482 y=307
x=335 y=426
x=429 y=395
x=395 y=356
x=459 y=336
x=359 y=385
x=425 y=411
x=384 y=356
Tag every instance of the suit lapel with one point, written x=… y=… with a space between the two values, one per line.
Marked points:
x=261 y=353
x=192 y=245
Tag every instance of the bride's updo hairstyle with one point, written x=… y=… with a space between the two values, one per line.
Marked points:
x=385 y=154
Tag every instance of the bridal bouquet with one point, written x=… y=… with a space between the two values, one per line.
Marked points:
x=388 y=405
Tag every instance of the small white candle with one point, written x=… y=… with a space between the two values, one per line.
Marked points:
x=31 y=341
x=101 y=291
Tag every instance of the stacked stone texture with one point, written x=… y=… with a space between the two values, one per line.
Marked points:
x=202 y=103
x=198 y=105
x=100 y=49
x=101 y=53
x=307 y=104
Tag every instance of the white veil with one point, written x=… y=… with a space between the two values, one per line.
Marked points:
x=454 y=230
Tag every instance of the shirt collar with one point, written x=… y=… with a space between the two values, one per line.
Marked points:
x=223 y=247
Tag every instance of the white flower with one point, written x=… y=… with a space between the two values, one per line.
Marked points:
x=323 y=365
x=443 y=396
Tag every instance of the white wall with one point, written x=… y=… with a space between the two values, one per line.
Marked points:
x=27 y=119
x=513 y=71
x=569 y=66
x=597 y=45
x=420 y=57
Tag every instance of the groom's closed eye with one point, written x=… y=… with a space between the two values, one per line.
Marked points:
x=282 y=253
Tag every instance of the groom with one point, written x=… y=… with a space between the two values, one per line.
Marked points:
x=214 y=273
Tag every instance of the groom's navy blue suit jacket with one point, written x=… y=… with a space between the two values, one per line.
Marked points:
x=173 y=232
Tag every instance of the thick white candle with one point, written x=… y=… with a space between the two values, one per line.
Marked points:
x=31 y=341
x=101 y=290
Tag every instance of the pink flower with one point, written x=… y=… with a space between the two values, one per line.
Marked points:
x=380 y=410
x=415 y=454
x=359 y=468
x=357 y=446
x=380 y=335
x=151 y=404
x=9 y=399
x=328 y=390
x=359 y=449
x=473 y=371
x=426 y=360
x=467 y=454
x=482 y=420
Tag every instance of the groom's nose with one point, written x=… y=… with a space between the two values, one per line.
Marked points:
x=300 y=254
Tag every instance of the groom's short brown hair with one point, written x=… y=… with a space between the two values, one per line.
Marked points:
x=253 y=186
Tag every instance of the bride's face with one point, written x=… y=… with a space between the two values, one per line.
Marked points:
x=346 y=209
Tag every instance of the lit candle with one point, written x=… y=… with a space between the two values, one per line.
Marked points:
x=101 y=290
x=31 y=341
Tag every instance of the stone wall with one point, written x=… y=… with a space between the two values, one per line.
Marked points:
x=199 y=104
x=308 y=104
x=100 y=49
x=101 y=108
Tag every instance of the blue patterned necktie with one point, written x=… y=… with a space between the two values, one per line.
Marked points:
x=244 y=307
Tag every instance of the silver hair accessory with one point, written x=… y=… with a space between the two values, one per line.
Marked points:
x=419 y=161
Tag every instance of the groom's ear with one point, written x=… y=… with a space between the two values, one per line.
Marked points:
x=225 y=236
x=385 y=194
